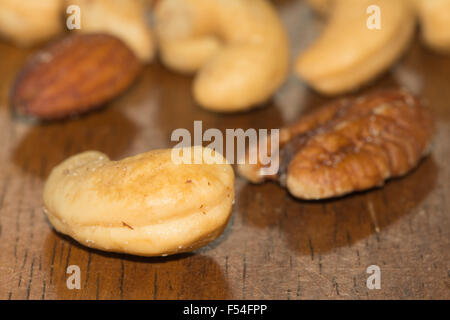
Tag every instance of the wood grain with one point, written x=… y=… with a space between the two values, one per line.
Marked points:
x=275 y=247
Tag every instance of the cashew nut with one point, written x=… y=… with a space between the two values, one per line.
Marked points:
x=125 y=19
x=435 y=21
x=348 y=54
x=27 y=22
x=239 y=48
x=144 y=205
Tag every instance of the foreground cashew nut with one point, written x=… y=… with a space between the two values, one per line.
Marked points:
x=350 y=145
x=145 y=205
x=27 y=22
x=125 y=19
x=239 y=48
x=348 y=54
x=435 y=21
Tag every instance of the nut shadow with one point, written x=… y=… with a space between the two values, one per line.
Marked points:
x=316 y=227
x=106 y=275
x=46 y=145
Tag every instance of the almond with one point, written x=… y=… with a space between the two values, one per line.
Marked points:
x=73 y=75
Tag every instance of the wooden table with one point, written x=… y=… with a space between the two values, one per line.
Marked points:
x=275 y=247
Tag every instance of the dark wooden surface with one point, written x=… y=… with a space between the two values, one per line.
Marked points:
x=275 y=247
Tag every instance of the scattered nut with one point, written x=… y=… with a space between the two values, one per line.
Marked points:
x=125 y=19
x=348 y=54
x=435 y=20
x=239 y=48
x=27 y=22
x=73 y=75
x=147 y=210
x=350 y=145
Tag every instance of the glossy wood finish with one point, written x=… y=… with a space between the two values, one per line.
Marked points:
x=275 y=246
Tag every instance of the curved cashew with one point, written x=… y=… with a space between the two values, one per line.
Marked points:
x=125 y=19
x=239 y=48
x=435 y=20
x=145 y=205
x=348 y=54
x=27 y=22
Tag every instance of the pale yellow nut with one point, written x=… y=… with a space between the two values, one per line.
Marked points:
x=238 y=47
x=348 y=54
x=145 y=205
x=27 y=22
x=125 y=19
x=434 y=17
x=195 y=53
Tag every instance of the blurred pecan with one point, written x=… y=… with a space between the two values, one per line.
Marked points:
x=350 y=145
x=74 y=75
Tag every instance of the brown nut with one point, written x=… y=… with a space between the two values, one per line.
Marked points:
x=144 y=205
x=74 y=75
x=350 y=145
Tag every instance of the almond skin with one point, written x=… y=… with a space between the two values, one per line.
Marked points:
x=74 y=75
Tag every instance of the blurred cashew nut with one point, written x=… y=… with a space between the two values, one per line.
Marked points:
x=348 y=54
x=434 y=17
x=27 y=22
x=125 y=19
x=239 y=48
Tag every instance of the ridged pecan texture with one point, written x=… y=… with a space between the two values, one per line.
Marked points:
x=350 y=145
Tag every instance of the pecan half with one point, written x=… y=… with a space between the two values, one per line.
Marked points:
x=350 y=145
